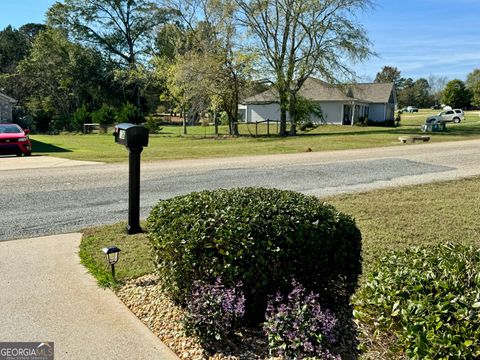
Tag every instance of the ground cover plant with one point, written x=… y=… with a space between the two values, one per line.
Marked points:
x=298 y=327
x=214 y=311
x=423 y=302
x=200 y=143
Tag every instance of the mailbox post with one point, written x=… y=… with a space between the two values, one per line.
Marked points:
x=134 y=137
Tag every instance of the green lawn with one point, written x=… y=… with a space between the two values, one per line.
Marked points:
x=200 y=142
x=134 y=260
x=389 y=219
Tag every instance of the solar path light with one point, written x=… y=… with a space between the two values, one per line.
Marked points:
x=111 y=254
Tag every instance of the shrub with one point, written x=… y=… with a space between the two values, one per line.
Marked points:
x=297 y=327
x=398 y=117
x=362 y=120
x=153 y=125
x=223 y=118
x=129 y=113
x=261 y=237
x=80 y=117
x=389 y=123
x=305 y=109
x=425 y=301
x=104 y=116
x=42 y=120
x=214 y=311
x=61 y=123
x=308 y=126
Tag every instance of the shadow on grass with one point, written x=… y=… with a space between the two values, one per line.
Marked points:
x=471 y=130
x=41 y=147
x=454 y=130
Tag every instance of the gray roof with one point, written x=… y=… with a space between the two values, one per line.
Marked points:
x=318 y=90
x=7 y=98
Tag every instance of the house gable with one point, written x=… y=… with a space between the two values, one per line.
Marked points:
x=6 y=104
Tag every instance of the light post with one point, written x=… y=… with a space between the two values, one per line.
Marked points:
x=111 y=254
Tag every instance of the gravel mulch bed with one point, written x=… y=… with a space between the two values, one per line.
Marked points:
x=146 y=299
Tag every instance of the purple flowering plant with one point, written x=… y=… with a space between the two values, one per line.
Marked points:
x=297 y=327
x=214 y=311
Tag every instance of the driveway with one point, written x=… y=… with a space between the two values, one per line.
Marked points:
x=47 y=295
x=38 y=162
x=45 y=201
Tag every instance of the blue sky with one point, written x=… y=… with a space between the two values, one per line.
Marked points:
x=419 y=37
x=423 y=37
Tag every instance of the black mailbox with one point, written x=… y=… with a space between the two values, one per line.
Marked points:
x=134 y=137
x=131 y=135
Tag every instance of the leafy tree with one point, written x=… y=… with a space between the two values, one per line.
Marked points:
x=170 y=40
x=473 y=84
x=405 y=92
x=209 y=72
x=414 y=93
x=193 y=75
x=456 y=94
x=31 y=30
x=388 y=74
x=174 y=94
x=295 y=39
x=129 y=113
x=121 y=29
x=62 y=76
x=14 y=47
x=421 y=93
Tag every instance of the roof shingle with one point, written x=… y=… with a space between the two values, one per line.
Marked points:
x=318 y=90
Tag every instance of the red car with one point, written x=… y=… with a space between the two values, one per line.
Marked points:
x=14 y=140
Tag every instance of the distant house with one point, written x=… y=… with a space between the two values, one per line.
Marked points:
x=340 y=104
x=6 y=105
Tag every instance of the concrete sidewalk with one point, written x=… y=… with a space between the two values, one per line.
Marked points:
x=46 y=295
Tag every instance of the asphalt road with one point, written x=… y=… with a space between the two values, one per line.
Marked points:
x=66 y=197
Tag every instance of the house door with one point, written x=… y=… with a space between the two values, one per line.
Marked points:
x=347 y=115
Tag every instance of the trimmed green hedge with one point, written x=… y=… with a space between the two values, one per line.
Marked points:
x=261 y=237
x=423 y=303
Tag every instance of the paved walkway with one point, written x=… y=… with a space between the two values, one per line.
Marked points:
x=46 y=295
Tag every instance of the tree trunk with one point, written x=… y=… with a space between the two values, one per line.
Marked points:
x=233 y=125
x=283 y=122
x=215 y=123
x=184 y=122
x=293 y=113
x=283 y=96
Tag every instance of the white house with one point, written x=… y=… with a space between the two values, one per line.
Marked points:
x=6 y=105
x=340 y=103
